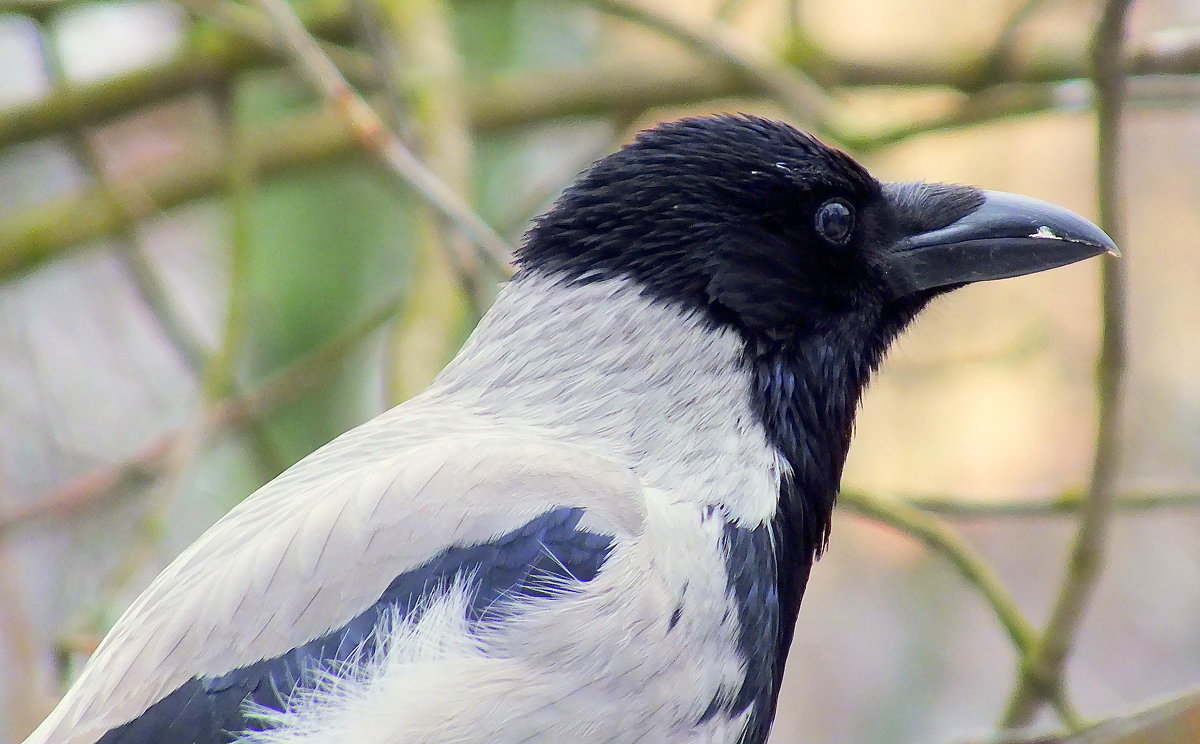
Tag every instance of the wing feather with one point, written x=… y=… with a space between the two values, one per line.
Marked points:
x=312 y=550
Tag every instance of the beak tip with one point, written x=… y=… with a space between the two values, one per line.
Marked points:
x=1108 y=244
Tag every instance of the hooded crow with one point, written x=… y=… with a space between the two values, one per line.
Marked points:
x=597 y=523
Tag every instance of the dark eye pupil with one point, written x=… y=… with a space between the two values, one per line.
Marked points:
x=835 y=221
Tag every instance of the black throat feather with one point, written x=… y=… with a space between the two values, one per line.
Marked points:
x=806 y=390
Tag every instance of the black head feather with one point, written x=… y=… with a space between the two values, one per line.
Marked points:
x=718 y=213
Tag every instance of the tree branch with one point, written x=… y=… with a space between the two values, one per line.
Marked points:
x=1066 y=504
x=414 y=42
x=970 y=566
x=1175 y=721
x=29 y=238
x=522 y=101
x=936 y=537
x=137 y=265
x=39 y=10
x=106 y=484
x=1045 y=668
x=789 y=87
x=199 y=65
x=1170 y=52
x=88 y=151
x=255 y=28
x=376 y=138
x=1007 y=100
x=999 y=57
x=990 y=104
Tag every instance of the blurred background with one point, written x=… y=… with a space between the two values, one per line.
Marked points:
x=206 y=271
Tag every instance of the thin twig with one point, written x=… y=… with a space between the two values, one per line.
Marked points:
x=146 y=283
x=789 y=87
x=378 y=139
x=538 y=196
x=383 y=65
x=41 y=233
x=26 y=705
x=137 y=266
x=990 y=104
x=449 y=290
x=106 y=484
x=976 y=571
x=1045 y=670
x=1176 y=721
x=129 y=202
x=39 y=10
x=220 y=58
x=1008 y=100
x=999 y=58
x=219 y=375
x=385 y=57
x=1171 y=51
x=32 y=237
x=504 y=104
x=131 y=199
x=220 y=371
x=1064 y=505
x=141 y=271
x=947 y=543
x=256 y=28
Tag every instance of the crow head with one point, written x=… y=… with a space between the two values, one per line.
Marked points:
x=765 y=229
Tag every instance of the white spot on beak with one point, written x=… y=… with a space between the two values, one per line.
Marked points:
x=1045 y=232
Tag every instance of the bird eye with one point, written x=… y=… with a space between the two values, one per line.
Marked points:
x=835 y=221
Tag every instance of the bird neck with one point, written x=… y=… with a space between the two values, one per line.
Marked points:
x=806 y=391
x=604 y=365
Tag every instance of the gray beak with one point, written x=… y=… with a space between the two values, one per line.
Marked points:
x=1007 y=235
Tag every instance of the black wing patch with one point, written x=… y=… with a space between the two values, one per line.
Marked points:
x=536 y=560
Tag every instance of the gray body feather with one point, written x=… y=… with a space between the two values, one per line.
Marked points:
x=636 y=413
